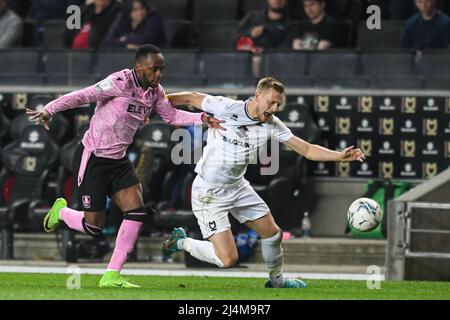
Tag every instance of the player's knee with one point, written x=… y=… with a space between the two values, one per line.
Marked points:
x=139 y=215
x=229 y=261
x=93 y=228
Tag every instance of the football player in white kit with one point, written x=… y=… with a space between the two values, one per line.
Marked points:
x=220 y=187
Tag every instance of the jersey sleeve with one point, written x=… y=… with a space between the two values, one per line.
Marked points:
x=102 y=90
x=170 y=114
x=280 y=131
x=215 y=105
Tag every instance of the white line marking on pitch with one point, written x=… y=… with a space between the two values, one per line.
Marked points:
x=144 y=272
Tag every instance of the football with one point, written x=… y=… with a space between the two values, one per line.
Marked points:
x=364 y=214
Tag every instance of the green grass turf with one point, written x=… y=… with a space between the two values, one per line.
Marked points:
x=53 y=286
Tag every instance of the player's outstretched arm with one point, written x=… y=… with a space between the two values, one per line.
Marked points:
x=187 y=98
x=318 y=153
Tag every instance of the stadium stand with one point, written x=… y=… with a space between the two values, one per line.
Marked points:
x=387 y=37
x=109 y=61
x=53 y=34
x=227 y=69
x=27 y=164
x=182 y=69
x=288 y=66
x=180 y=33
x=20 y=66
x=217 y=10
x=173 y=9
x=66 y=67
x=216 y=35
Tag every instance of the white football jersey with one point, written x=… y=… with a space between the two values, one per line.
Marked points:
x=227 y=154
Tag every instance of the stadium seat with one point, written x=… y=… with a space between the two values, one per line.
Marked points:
x=405 y=83
x=330 y=82
x=389 y=36
x=54 y=34
x=333 y=63
x=227 y=69
x=29 y=38
x=345 y=34
x=289 y=67
x=180 y=33
x=381 y=64
x=27 y=162
x=20 y=66
x=253 y=5
x=217 y=35
x=69 y=67
x=4 y=125
x=155 y=137
x=112 y=61
x=59 y=126
x=215 y=10
x=437 y=83
x=173 y=9
x=433 y=64
x=181 y=69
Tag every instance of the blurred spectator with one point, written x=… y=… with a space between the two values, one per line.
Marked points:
x=96 y=20
x=11 y=28
x=42 y=10
x=267 y=28
x=403 y=9
x=138 y=25
x=429 y=28
x=319 y=31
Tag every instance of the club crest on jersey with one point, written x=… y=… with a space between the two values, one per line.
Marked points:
x=234 y=117
x=86 y=201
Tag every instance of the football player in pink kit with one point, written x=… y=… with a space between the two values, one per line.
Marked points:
x=124 y=101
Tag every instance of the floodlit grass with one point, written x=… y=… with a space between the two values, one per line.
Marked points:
x=26 y=286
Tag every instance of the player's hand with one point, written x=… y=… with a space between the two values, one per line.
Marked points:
x=212 y=122
x=351 y=154
x=257 y=31
x=39 y=116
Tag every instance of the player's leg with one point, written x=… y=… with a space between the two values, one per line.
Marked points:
x=210 y=207
x=130 y=201
x=91 y=195
x=272 y=251
x=220 y=249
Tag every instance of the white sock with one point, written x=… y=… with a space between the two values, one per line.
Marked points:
x=202 y=250
x=273 y=254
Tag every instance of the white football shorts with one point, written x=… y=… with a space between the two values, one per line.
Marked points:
x=211 y=205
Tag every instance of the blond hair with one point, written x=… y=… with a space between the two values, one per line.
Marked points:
x=268 y=83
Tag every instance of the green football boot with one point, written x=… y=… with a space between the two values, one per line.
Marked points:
x=51 y=219
x=289 y=283
x=170 y=245
x=112 y=279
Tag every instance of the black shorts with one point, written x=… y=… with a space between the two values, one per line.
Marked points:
x=103 y=177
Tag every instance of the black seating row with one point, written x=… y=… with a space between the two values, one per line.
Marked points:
x=375 y=69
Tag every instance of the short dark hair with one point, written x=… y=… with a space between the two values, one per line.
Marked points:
x=145 y=50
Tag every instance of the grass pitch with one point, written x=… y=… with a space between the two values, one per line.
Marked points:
x=29 y=286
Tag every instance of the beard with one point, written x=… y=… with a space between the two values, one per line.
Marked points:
x=281 y=10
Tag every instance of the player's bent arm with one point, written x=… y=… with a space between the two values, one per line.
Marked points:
x=187 y=98
x=312 y=151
